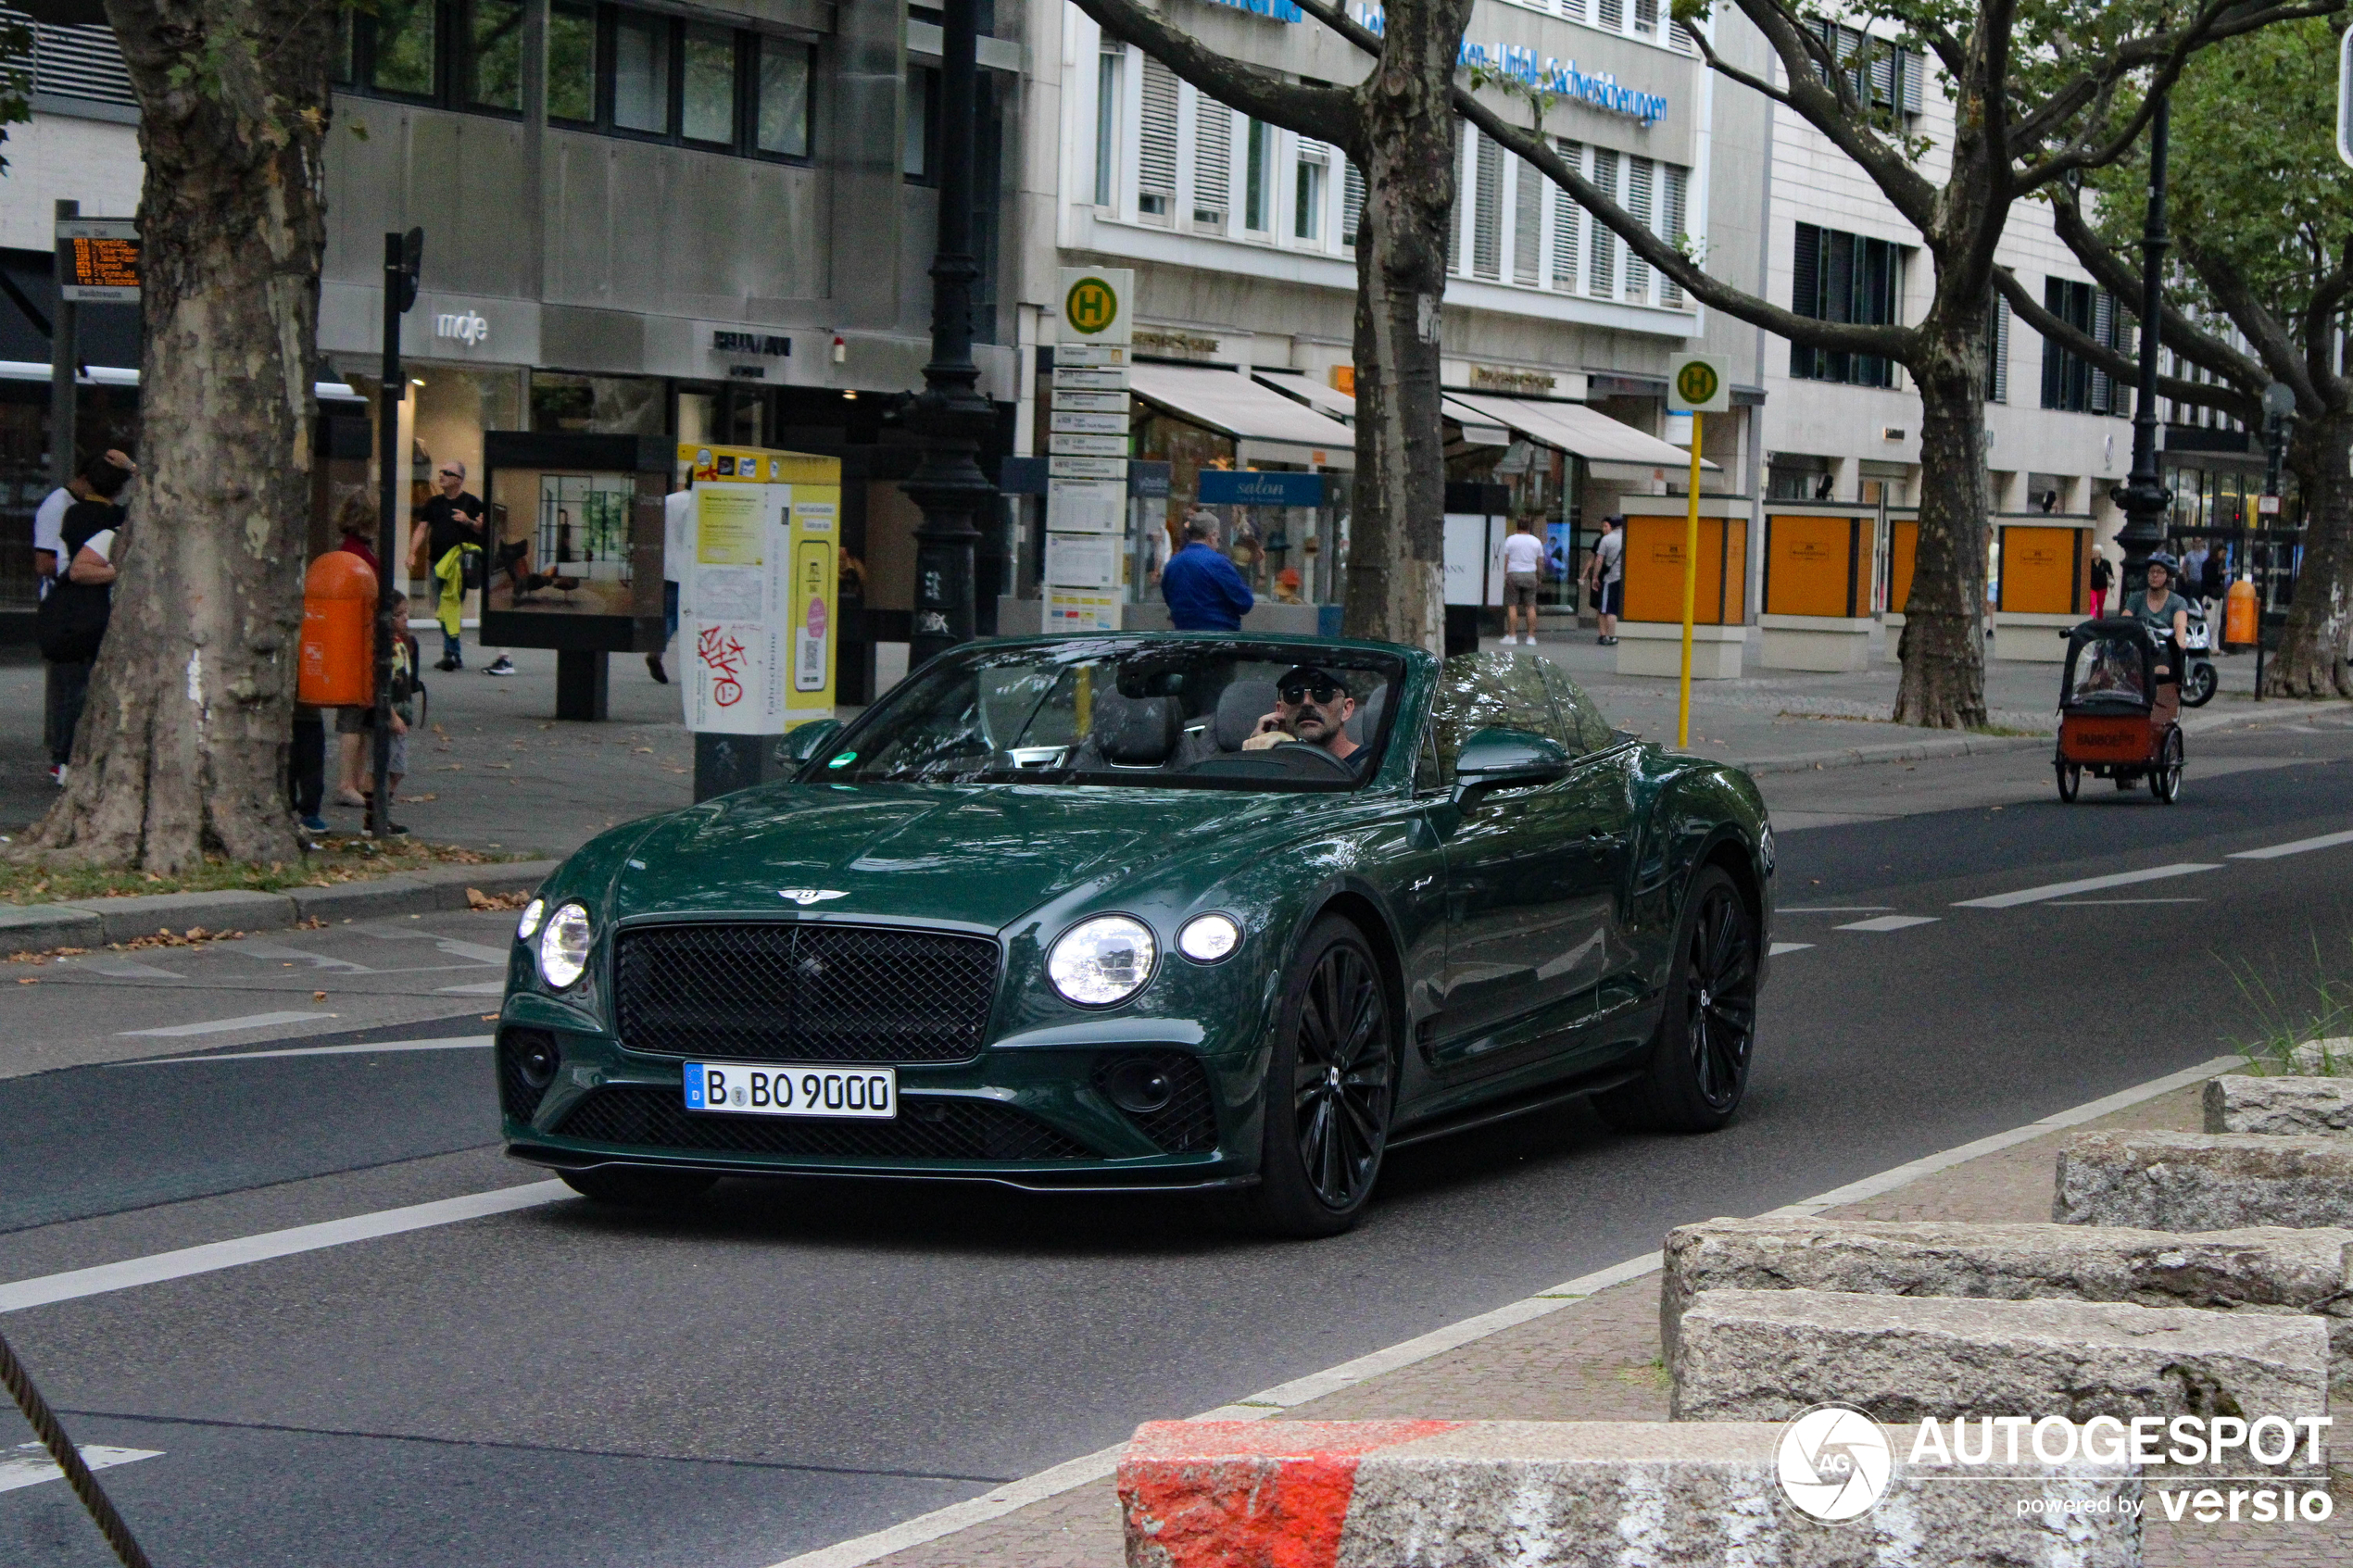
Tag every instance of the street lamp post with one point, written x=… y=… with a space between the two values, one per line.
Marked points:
x=2142 y=495
x=950 y=415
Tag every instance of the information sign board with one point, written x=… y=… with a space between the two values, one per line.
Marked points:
x=99 y=258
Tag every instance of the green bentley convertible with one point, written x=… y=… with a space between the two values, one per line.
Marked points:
x=1226 y=914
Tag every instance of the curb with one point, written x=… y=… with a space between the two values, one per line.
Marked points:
x=33 y=928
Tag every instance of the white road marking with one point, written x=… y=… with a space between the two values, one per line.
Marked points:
x=29 y=1465
x=47 y=1289
x=1889 y=922
x=123 y=969
x=2088 y=884
x=483 y=988
x=449 y=1043
x=1832 y=909
x=222 y=1026
x=455 y=947
x=1090 y=1468
x=2108 y=903
x=2273 y=852
x=1780 y=947
x=261 y=947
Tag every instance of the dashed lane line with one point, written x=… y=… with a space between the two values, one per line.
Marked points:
x=2273 y=852
x=2087 y=885
x=1889 y=922
x=29 y=1465
x=157 y=1267
x=1778 y=948
x=222 y=1026
x=451 y=1043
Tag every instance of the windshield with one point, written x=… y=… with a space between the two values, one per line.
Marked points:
x=1181 y=714
x=2109 y=672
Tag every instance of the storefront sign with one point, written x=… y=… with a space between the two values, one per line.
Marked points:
x=1273 y=10
x=463 y=326
x=1148 y=481
x=100 y=257
x=1257 y=487
x=1559 y=78
x=1510 y=378
x=750 y=343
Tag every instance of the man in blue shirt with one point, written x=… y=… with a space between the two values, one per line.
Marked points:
x=1203 y=591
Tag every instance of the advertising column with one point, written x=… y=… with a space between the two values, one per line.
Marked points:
x=1087 y=461
x=756 y=612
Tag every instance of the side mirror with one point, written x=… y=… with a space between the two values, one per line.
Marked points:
x=1498 y=758
x=804 y=741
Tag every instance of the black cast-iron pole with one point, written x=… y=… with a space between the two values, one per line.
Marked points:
x=951 y=415
x=2142 y=494
x=391 y=462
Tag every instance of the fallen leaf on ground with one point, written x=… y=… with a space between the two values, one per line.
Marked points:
x=416 y=799
x=477 y=899
x=318 y=996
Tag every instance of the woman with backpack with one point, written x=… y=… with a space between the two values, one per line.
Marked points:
x=71 y=621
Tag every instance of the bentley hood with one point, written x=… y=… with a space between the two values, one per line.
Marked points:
x=981 y=854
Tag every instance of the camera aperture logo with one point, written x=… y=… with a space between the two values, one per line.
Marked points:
x=1833 y=1462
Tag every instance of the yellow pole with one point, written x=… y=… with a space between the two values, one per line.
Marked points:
x=1691 y=592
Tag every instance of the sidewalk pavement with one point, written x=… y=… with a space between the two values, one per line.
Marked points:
x=1599 y=1359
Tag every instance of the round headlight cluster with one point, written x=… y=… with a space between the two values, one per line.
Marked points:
x=1102 y=960
x=533 y=913
x=563 y=946
x=1208 y=938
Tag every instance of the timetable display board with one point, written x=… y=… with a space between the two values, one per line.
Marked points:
x=99 y=259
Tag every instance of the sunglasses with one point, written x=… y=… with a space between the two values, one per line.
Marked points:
x=451 y=473
x=1299 y=691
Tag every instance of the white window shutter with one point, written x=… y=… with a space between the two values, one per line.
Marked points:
x=1640 y=175
x=1568 y=224
x=1156 y=137
x=1213 y=162
x=1601 y=271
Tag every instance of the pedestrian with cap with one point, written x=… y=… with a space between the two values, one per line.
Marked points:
x=1605 y=576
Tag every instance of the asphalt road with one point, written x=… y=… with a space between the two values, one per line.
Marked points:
x=799 y=1362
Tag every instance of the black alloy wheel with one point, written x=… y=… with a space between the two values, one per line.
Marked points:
x=2165 y=780
x=1332 y=1086
x=2071 y=779
x=1697 y=1071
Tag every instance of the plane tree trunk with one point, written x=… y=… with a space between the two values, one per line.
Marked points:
x=181 y=748
x=2311 y=658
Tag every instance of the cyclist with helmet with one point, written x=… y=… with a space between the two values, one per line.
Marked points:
x=2167 y=615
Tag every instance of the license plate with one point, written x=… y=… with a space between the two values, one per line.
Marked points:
x=871 y=1092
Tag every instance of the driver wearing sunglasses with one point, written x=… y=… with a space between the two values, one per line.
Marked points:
x=1311 y=705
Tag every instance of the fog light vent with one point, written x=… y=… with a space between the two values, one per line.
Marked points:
x=1166 y=1094
x=528 y=1060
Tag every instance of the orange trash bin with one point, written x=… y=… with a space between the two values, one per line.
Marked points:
x=2238 y=614
x=338 y=663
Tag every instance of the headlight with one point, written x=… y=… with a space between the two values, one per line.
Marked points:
x=1102 y=960
x=563 y=946
x=532 y=913
x=1207 y=938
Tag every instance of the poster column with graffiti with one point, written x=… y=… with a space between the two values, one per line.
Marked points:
x=757 y=619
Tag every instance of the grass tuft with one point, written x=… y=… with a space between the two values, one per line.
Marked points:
x=336 y=859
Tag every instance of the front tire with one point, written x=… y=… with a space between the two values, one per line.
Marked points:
x=1331 y=1089
x=1697 y=1070
x=2165 y=783
x=2070 y=781
x=625 y=1188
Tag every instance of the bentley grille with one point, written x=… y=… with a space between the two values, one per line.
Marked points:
x=804 y=992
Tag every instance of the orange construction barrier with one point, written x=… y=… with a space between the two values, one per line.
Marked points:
x=338 y=665
x=2238 y=614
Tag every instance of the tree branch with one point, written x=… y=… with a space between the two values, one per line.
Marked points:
x=2121 y=279
x=1889 y=342
x=1328 y=114
x=2225 y=395
x=2281 y=359
x=1730 y=72
x=1822 y=99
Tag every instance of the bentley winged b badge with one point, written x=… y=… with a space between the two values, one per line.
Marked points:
x=805 y=897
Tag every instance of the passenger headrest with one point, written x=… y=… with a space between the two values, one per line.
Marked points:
x=1136 y=731
x=1240 y=706
x=1364 y=722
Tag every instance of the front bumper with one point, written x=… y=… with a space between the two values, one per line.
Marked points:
x=1034 y=1116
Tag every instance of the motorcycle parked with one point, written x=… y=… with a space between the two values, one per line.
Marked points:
x=2198 y=680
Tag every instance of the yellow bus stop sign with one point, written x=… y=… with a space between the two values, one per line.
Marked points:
x=1697 y=384
x=1090 y=306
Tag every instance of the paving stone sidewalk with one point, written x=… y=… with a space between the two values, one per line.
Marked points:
x=1600 y=1360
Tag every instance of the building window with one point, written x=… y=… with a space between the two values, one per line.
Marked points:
x=399 y=48
x=571 y=65
x=1213 y=163
x=1307 y=204
x=1156 y=144
x=641 y=72
x=1257 y=175
x=918 y=154
x=1997 y=350
x=1601 y=261
x=1106 y=130
x=1841 y=277
x=494 y=37
x=1486 y=201
x=708 y=113
x=2070 y=384
x=782 y=123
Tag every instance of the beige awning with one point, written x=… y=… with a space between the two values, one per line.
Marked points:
x=1305 y=389
x=1267 y=424
x=1573 y=427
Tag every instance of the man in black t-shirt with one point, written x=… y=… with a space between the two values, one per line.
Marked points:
x=451 y=519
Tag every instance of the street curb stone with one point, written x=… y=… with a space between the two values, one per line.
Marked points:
x=1769 y=1355
x=2203 y=1181
x=34 y=928
x=2319 y=1107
